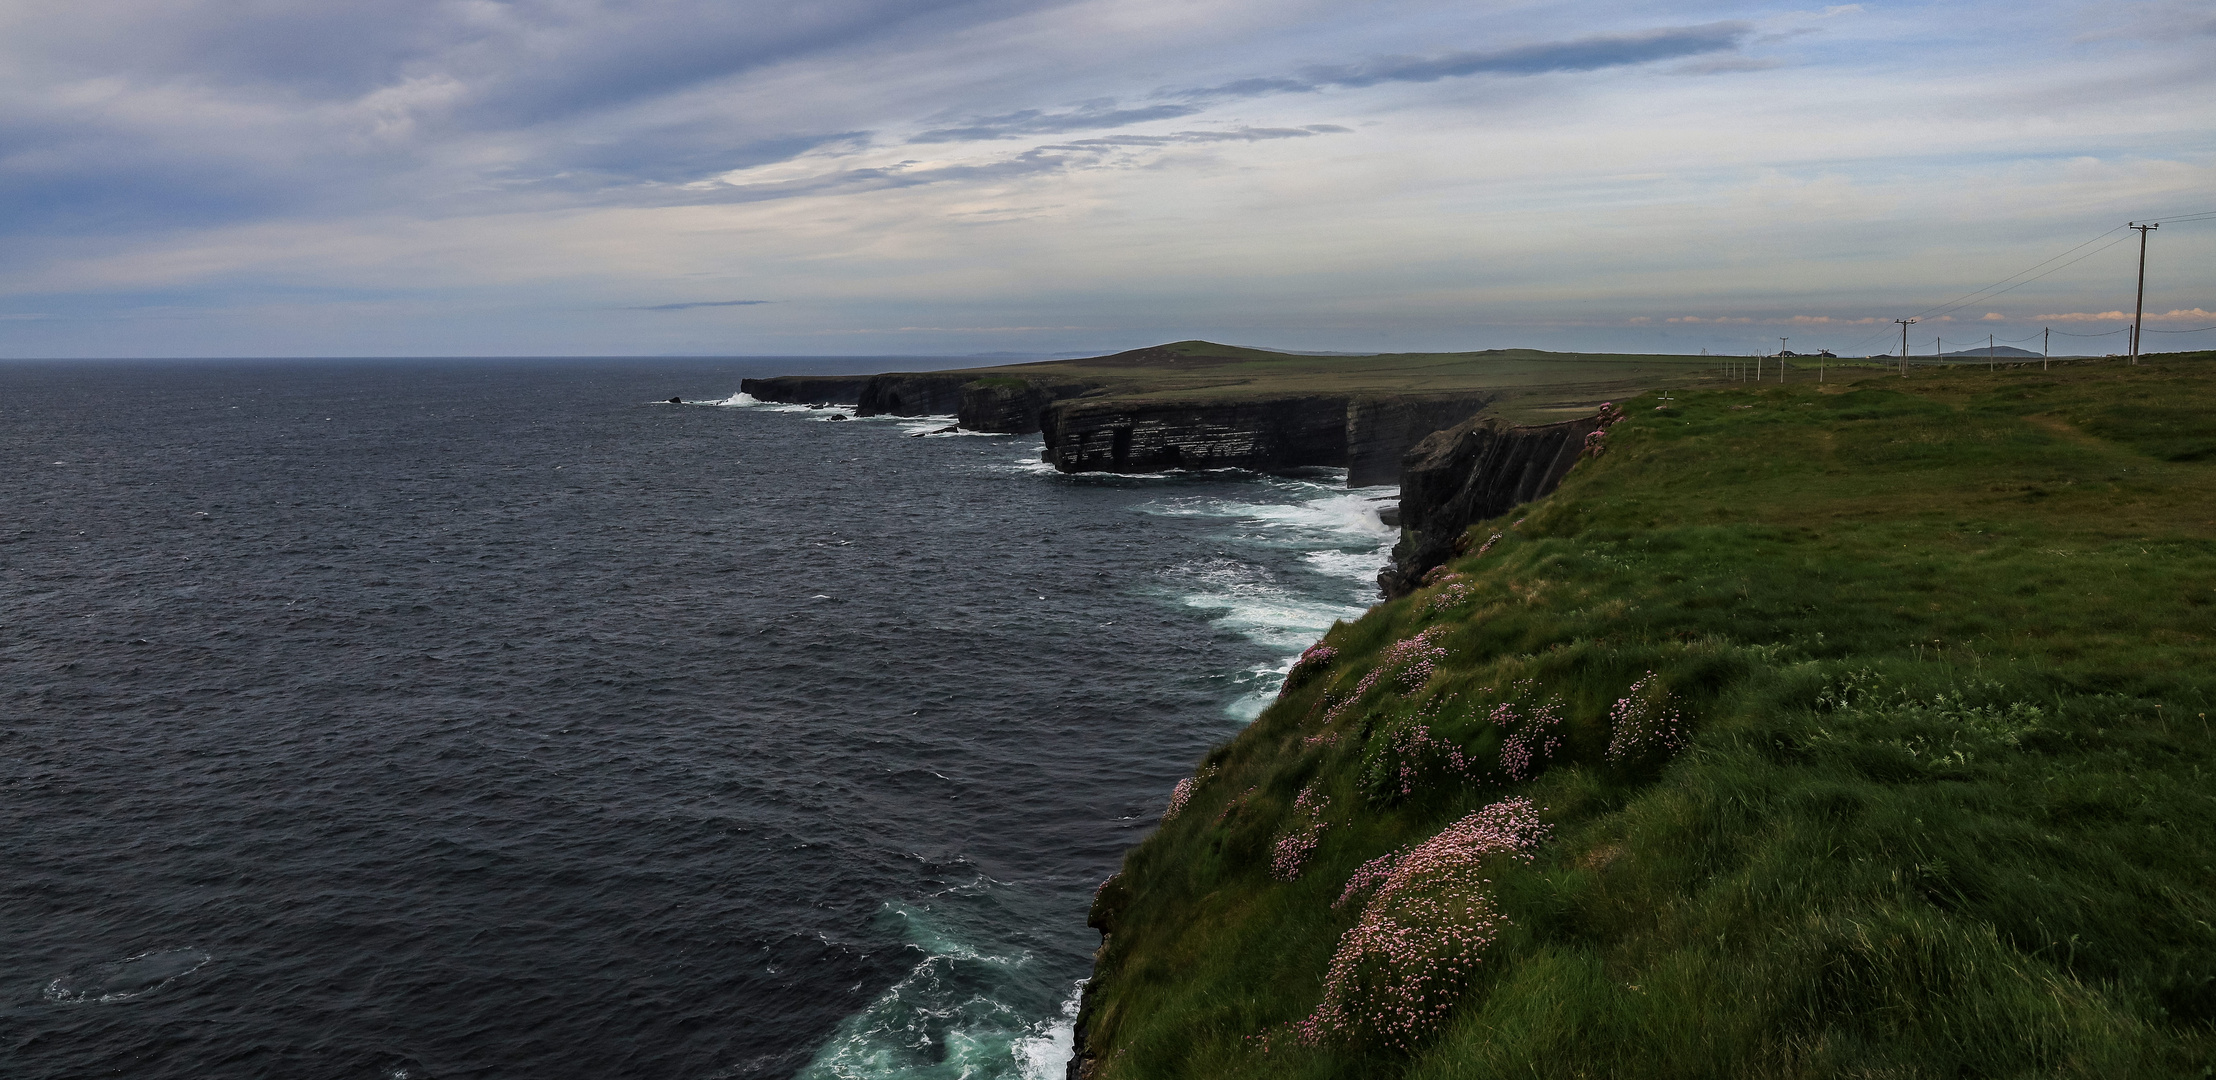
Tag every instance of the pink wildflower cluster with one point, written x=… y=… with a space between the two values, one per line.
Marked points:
x=1530 y=740
x=1317 y=657
x=1328 y=737
x=1488 y=544
x=1422 y=932
x=1413 y=746
x=1299 y=840
x=1414 y=659
x=1372 y=873
x=1183 y=793
x=1178 y=796
x=1643 y=721
x=1104 y=883
x=1596 y=443
x=1455 y=591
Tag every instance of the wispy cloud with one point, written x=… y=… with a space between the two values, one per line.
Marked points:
x=1094 y=117
x=699 y=303
x=2192 y=314
x=1581 y=54
x=1590 y=53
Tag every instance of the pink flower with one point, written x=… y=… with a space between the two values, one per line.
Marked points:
x=1642 y=721
x=1423 y=930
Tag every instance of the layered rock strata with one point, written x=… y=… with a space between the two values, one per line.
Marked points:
x=1380 y=431
x=807 y=389
x=1470 y=472
x=1137 y=435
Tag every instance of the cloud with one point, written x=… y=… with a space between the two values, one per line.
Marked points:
x=1034 y=122
x=1727 y=65
x=1590 y=53
x=699 y=303
x=1992 y=316
x=2192 y=314
x=1581 y=54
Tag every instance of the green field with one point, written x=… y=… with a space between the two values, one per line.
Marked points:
x=1868 y=726
x=1534 y=386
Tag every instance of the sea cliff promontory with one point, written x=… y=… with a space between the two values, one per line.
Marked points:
x=1845 y=729
x=1199 y=405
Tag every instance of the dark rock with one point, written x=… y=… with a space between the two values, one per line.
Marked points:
x=1381 y=429
x=1390 y=515
x=911 y=394
x=1140 y=435
x=681 y=401
x=817 y=390
x=1010 y=405
x=1476 y=470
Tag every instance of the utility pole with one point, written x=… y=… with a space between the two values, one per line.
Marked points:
x=1988 y=352
x=2140 y=307
x=1905 y=324
x=1781 y=345
x=2045 y=333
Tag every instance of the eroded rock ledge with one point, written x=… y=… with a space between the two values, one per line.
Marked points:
x=1476 y=470
x=1098 y=426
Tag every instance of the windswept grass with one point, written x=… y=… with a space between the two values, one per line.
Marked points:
x=1869 y=725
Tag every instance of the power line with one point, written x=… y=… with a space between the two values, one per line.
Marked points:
x=2010 y=283
x=2182 y=331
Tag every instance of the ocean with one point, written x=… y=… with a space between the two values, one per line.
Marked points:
x=497 y=718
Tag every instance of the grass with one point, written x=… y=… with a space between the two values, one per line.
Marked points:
x=1531 y=385
x=1947 y=805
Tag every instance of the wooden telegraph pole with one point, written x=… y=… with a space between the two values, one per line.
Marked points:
x=2139 y=307
x=1905 y=324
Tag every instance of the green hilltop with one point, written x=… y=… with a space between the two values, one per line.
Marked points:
x=1864 y=729
x=1534 y=385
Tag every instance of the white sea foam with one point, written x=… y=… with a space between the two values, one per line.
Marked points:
x=949 y=1018
x=1342 y=545
x=1044 y=1054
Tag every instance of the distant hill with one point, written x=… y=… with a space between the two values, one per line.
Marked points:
x=1998 y=352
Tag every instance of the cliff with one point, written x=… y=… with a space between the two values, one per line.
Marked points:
x=807 y=389
x=1382 y=429
x=913 y=394
x=1830 y=730
x=1012 y=405
x=1475 y=470
x=1128 y=435
x=1198 y=404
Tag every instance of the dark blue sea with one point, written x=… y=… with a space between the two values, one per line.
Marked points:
x=477 y=718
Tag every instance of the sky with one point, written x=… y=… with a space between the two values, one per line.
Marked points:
x=1072 y=177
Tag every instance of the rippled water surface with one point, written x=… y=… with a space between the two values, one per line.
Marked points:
x=492 y=719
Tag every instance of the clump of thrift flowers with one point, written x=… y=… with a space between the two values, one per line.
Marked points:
x=1299 y=839
x=1531 y=739
x=1422 y=931
x=1414 y=660
x=1643 y=722
x=1454 y=589
x=1183 y=793
x=1317 y=657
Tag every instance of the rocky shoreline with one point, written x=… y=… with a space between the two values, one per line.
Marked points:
x=1092 y=427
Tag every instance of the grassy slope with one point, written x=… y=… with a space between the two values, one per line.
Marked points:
x=1946 y=644
x=1535 y=385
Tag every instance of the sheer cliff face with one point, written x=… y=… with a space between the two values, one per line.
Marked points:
x=1124 y=435
x=807 y=389
x=1381 y=430
x=1476 y=470
x=902 y=394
